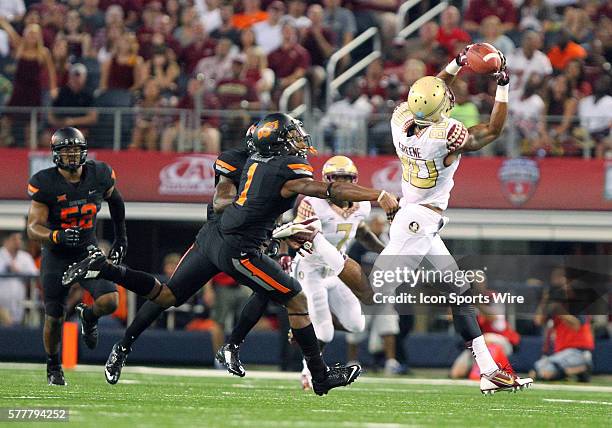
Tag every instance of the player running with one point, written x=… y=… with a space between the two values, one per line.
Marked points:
x=271 y=180
x=342 y=222
x=65 y=201
x=228 y=169
x=429 y=145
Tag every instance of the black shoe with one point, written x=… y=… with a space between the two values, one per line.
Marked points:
x=89 y=330
x=228 y=355
x=336 y=376
x=55 y=376
x=116 y=361
x=88 y=268
x=585 y=376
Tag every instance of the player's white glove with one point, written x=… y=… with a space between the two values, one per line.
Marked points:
x=302 y=230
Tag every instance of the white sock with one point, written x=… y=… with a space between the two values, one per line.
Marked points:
x=305 y=367
x=485 y=361
x=330 y=254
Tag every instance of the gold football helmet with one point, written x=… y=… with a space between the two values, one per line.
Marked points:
x=430 y=100
x=339 y=165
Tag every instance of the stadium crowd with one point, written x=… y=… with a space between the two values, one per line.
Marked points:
x=215 y=55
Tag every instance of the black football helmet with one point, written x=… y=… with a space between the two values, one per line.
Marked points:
x=64 y=138
x=280 y=134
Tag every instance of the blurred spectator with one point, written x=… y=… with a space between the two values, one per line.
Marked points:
x=378 y=13
x=395 y=58
x=490 y=30
x=526 y=61
x=340 y=21
x=577 y=23
x=346 y=120
x=268 y=33
x=571 y=334
x=163 y=70
x=412 y=70
x=125 y=69
x=290 y=61
x=296 y=15
x=60 y=58
x=564 y=51
x=258 y=74
x=74 y=94
x=202 y=46
x=162 y=36
x=227 y=29
x=527 y=113
x=145 y=31
x=234 y=92
x=91 y=16
x=215 y=68
x=173 y=10
x=251 y=14
x=32 y=59
x=424 y=46
x=14 y=260
x=595 y=113
x=12 y=10
x=226 y=298
x=209 y=13
x=450 y=34
x=113 y=19
x=465 y=110
x=78 y=40
x=374 y=85
x=319 y=42
x=184 y=32
x=536 y=15
x=148 y=125
x=478 y=10
x=205 y=136
x=561 y=105
x=575 y=74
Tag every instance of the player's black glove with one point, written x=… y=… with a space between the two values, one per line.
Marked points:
x=69 y=237
x=461 y=58
x=118 y=250
x=502 y=77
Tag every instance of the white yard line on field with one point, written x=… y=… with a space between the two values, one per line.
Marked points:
x=558 y=400
x=272 y=375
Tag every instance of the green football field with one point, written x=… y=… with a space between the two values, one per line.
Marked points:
x=206 y=398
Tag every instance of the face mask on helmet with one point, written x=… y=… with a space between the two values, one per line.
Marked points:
x=345 y=178
x=70 y=156
x=299 y=140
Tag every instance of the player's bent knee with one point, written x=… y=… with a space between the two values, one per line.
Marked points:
x=54 y=311
x=166 y=298
x=298 y=304
x=354 y=324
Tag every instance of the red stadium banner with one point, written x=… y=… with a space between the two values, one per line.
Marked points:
x=553 y=183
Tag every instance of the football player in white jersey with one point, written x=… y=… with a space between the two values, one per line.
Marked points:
x=328 y=297
x=429 y=145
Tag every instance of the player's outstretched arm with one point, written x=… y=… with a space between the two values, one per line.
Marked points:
x=454 y=67
x=116 y=206
x=340 y=191
x=225 y=192
x=485 y=133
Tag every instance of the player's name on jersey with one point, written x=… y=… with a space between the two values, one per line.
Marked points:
x=450 y=299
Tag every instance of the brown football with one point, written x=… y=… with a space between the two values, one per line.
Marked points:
x=483 y=58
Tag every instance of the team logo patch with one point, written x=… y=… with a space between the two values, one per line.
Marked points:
x=62 y=198
x=301 y=275
x=519 y=179
x=414 y=227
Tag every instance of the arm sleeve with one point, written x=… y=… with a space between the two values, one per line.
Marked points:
x=304 y=210
x=297 y=167
x=229 y=166
x=37 y=192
